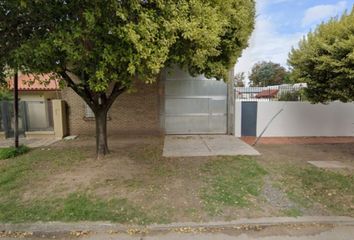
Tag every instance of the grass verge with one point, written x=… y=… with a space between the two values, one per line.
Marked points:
x=75 y=207
x=36 y=164
x=310 y=185
x=230 y=182
x=11 y=152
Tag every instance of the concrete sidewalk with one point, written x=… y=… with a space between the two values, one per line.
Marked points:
x=329 y=233
x=189 y=227
x=32 y=143
x=205 y=145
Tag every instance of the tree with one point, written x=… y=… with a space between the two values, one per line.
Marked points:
x=325 y=60
x=98 y=48
x=14 y=27
x=267 y=74
x=240 y=79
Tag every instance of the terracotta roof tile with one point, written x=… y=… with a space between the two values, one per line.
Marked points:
x=267 y=93
x=35 y=83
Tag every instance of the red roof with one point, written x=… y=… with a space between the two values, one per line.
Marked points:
x=267 y=93
x=35 y=83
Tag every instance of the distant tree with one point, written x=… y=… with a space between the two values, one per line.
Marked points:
x=239 y=79
x=98 y=48
x=325 y=60
x=267 y=74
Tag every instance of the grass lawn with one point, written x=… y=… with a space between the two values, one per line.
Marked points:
x=11 y=152
x=309 y=186
x=135 y=185
x=314 y=191
x=132 y=185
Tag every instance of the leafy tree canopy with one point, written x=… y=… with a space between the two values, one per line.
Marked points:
x=267 y=74
x=325 y=60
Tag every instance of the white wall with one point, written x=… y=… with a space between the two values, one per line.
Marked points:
x=238 y=106
x=301 y=119
x=305 y=119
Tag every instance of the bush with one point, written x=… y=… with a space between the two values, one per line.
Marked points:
x=289 y=96
x=12 y=152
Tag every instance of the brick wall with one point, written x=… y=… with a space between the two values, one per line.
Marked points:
x=131 y=113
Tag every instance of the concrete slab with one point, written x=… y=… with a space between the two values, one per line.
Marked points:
x=205 y=145
x=32 y=143
x=329 y=164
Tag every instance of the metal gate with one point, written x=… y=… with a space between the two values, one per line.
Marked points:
x=33 y=116
x=249 y=119
x=7 y=118
x=194 y=105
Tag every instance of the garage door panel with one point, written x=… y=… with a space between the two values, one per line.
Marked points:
x=217 y=88
x=194 y=105
x=217 y=124
x=187 y=88
x=218 y=106
x=177 y=106
x=195 y=88
x=186 y=124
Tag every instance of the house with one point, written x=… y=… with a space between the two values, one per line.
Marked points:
x=176 y=104
x=36 y=88
x=35 y=107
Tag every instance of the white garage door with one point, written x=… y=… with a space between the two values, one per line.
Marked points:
x=194 y=105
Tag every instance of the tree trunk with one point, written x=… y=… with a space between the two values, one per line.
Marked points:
x=101 y=133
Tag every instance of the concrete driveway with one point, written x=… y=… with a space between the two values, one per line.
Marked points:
x=205 y=145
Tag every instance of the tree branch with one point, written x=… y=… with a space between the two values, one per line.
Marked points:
x=116 y=91
x=86 y=95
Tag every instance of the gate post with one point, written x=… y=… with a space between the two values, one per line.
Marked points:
x=231 y=103
x=59 y=118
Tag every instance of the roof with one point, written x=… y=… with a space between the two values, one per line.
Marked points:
x=29 y=82
x=267 y=93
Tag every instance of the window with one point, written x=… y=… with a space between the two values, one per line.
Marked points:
x=89 y=115
x=88 y=112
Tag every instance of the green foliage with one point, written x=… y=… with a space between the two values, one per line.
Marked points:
x=230 y=181
x=240 y=79
x=5 y=95
x=290 y=96
x=325 y=60
x=12 y=152
x=268 y=74
x=112 y=41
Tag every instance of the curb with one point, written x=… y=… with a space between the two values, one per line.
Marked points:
x=100 y=227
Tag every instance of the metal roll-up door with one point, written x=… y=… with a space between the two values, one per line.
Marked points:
x=194 y=105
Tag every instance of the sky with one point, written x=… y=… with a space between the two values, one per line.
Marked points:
x=280 y=24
